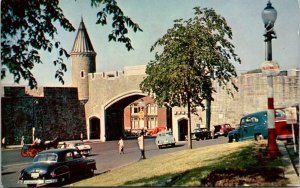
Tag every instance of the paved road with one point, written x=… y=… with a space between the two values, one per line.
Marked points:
x=106 y=156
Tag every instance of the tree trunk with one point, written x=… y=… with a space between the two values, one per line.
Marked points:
x=189 y=124
x=208 y=113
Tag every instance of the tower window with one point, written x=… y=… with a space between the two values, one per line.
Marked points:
x=82 y=74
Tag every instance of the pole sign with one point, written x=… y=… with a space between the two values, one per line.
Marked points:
x=270 y=68
x=291 y=115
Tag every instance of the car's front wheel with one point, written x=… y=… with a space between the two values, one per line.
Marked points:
x=230 y=139
x=236 y=137
x=91 y=172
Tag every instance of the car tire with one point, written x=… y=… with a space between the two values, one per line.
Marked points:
x=91 y=172
x=236 y=137
x=31 y=185
x=230 y=139
x=258 y=136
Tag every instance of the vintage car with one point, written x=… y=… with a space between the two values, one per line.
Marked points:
x=254 y=126
x=201 y=133
x=222 y=130
x=83 y=148
x=56 y=166
x=154 y=132
x=164 y=138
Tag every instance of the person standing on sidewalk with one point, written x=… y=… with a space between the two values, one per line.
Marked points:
x=141 y=145
x=121 y=146
x=22 y=141
x=3 y=142
x=81 y=137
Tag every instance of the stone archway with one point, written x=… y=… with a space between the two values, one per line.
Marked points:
x=94 y=128
x=182 y=129
x=114 y=115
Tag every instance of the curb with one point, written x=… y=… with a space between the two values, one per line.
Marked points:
x=71 y=141
x=289 y=171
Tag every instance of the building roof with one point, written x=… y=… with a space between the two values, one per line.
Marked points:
x=82 y=43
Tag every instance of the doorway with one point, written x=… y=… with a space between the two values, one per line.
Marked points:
x=182 y=129
x=94 y=128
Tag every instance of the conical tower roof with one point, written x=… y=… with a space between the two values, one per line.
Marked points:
x=82 y=43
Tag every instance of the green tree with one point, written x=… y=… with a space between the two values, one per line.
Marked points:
x=190 y=56
x=27 y=27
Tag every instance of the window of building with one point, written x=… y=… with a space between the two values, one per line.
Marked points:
x=82 y=74
x=135 y=123
x=135 y=109
x=152 y=109
x=152 y=122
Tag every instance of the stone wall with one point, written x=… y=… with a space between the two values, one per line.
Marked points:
x=252 y=97
x=57 y=113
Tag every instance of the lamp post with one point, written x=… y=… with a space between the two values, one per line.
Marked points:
x=141 y=142
x=270 y=68
x=34 y=102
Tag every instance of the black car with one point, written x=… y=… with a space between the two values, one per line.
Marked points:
x=56 y=165
x=202 y=133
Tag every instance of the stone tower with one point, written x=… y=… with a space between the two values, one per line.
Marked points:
x=83 y=62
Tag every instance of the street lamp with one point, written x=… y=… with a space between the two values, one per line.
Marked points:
x=34 y=102
x=270 y=68
x=141 y=142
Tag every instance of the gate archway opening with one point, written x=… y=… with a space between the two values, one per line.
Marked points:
x=94 y=128
x=114 y=117
x=182 y=129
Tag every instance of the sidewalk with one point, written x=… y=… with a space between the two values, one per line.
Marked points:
x=291 y=162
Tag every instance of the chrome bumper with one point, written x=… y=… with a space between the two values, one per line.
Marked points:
x=38 y=181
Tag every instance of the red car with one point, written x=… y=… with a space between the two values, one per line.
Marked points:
x=222 y=130
x=156 y=130
x=283 y=130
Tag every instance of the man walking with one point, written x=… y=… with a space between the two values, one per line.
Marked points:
x=141 y=145
x=121 y=146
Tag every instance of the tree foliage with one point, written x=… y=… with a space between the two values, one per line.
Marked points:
x=194 y=53
x=27 y=27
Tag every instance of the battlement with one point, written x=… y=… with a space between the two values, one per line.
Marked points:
x=128 y=71
x=53 y=92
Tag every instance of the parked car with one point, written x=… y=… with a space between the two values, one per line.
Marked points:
x=201 y=133
x=255 y=125
x=283 y=129
x=56 y=165
x=222 y=130
x=164 y=138
x=155 y=131
x=83 y=148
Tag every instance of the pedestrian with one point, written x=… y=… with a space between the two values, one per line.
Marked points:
x=121 y=146
x=22 y=141
x=141 y=145
x=3 y=142
x=81 y=137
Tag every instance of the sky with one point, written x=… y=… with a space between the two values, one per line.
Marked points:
x=155 y=17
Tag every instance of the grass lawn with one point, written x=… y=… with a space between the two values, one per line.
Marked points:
x=235 y=164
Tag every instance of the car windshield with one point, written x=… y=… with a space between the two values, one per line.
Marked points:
x=47 y=157
x=78 y=144
x=169 y=133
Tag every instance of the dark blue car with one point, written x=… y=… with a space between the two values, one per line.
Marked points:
x=56 y=165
